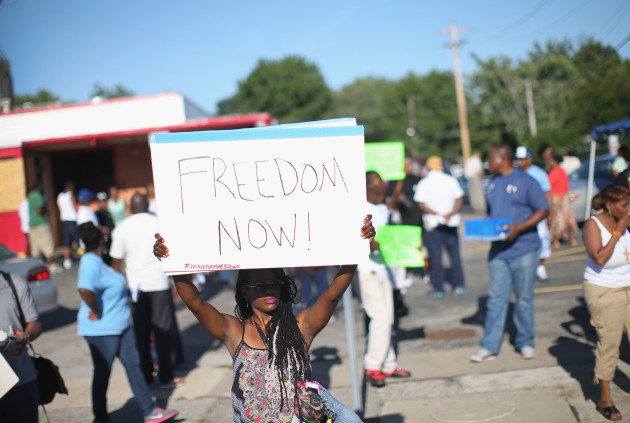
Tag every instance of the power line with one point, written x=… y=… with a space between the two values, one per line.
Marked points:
x=616 y=16
x=506 y=28
x=565 y=17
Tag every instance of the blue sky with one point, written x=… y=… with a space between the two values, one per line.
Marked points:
x=202 y=48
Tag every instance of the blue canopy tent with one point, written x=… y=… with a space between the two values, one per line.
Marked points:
x=601 y=132
x=621 y=128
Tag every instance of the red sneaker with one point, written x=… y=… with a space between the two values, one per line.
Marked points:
x=375 y=378
x=398 y=373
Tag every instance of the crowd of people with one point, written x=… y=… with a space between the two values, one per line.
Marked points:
x=127 y=303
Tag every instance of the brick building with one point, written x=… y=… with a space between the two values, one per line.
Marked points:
x=96 y=144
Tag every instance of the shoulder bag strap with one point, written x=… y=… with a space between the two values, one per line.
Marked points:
x=9 y=279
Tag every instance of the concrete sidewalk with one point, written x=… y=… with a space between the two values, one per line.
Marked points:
x=434 y=342
x=445 y=387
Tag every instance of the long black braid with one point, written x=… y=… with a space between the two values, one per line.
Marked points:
x=287 y=347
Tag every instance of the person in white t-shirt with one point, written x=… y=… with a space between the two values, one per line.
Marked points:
x=85 y=212
x=570 y=162
x=473 y=171
x=440 y=197
x=68 y=215
x=152 y=301
x=377 y=295
x=23 y=214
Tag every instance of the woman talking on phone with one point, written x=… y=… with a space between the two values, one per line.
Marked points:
x=607 y=285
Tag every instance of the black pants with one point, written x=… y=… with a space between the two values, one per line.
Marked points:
x=153 y=313
x=20 y=404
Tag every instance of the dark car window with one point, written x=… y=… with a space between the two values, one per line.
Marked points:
x=603 y=170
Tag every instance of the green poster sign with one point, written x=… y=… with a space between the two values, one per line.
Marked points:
x=400 y=245
x=387 y=158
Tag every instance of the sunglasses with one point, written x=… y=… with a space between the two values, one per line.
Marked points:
x=263 y=286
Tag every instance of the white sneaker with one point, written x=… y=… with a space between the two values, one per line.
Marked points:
x=528 y=353
x=67 y=264
x=55 y=268
x=541 y=273
x=482 y=355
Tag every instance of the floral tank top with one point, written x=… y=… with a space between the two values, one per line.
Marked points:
x=256 y=394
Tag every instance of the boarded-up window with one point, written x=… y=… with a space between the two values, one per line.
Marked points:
x=12 y=185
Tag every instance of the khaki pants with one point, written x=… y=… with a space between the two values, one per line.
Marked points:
x=610 y=315
x=41 y=241
x=378 y=303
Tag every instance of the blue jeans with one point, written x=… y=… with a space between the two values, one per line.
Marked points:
x=434 y=241
x=320 y=278
x=517 y=274
x=344 y=414
x=104 y=349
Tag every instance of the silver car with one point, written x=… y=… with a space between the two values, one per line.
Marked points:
x=36 y=273
x=578 y=181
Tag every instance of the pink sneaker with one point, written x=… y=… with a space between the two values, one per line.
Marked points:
x=159 y=415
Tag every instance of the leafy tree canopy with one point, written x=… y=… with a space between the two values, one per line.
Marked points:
x=41 y=97
x=115 y=92
x=291 y=89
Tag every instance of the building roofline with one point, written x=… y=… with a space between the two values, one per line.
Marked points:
x=93 y=102
x=218 y=122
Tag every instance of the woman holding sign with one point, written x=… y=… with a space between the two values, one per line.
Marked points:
x=268 y=343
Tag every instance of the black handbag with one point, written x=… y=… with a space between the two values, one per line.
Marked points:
x=49 y=380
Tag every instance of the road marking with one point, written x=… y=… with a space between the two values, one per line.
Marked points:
x=561 y=288
x=477 y=249
x=568 y=251
x=550 y=260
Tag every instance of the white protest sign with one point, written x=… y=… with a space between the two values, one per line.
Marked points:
x=284 y=196
x=8 y=378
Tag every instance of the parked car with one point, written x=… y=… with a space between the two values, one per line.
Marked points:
x=578 y=181
x=36 y=273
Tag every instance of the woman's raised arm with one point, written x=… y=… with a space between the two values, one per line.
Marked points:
x=218 y=324
x=312 y=320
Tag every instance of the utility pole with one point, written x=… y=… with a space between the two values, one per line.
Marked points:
x=412 y=131
x=459 y=87
x=531 y=112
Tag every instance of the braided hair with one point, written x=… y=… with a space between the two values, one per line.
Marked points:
x=287 y=346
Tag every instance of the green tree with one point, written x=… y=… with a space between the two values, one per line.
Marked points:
x=602 y=93
x=115 y=92
x=500 y=93
x=365 y=100
x=291 y=89
x=41 y=97
x=435 y=105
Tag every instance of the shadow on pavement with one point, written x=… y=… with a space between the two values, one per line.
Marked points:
x=389 y=418
x=322 y=360
x=576 y=354
x=58 y=318
x=128 y=413
x=580 y=326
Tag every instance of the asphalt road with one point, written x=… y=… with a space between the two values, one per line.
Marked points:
x=432 y=324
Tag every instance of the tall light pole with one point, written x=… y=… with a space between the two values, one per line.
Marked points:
x=459 y=87
x=531 y=111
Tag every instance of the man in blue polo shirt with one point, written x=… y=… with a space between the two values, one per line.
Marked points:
x=512 y=262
